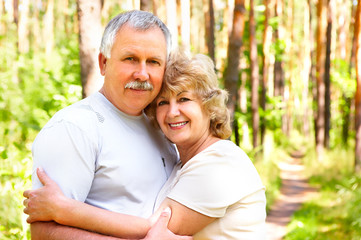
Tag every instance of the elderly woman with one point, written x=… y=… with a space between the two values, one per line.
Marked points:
x=214 y=192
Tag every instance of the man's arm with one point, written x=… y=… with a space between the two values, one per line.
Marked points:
x=54 y=231
x=68 y=156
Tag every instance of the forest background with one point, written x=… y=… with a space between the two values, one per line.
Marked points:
x=292 y=69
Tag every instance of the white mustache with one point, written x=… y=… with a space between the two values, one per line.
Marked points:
x=138 y=85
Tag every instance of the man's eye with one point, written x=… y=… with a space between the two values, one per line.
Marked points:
x=129 y=58
x=154 y=62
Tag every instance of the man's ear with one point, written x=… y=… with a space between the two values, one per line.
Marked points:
x=102 y=60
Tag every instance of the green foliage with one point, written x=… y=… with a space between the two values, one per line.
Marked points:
x=273 y=113
x=343 y=91
x=342 y=76
x=33 y=86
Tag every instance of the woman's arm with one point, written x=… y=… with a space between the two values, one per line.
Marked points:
x=49 y=204
x=184 y=221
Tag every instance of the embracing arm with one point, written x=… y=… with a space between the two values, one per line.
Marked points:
x=84 y=216
x=54 y=231
x=184 y=221
x=49 y=204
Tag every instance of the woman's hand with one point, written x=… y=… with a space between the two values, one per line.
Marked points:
x=159 y=230
x=45 y=203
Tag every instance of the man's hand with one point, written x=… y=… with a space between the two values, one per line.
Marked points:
x=159 y=231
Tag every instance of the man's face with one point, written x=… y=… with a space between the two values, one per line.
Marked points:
x=135 y=56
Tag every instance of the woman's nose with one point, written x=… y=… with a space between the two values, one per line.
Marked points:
x=173 y=109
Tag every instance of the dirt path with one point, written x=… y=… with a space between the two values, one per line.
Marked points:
x=294 y=191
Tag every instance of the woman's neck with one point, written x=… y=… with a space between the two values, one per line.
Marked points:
x=187 y=152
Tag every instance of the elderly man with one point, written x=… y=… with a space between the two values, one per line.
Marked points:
x=102 y=150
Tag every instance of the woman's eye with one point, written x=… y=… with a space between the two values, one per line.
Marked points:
x=184 y=99
x=161 y=103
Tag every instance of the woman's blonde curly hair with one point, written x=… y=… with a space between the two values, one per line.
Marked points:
x=197 y=74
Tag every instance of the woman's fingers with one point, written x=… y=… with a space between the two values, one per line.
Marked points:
x=26 y=193
x=25 y=202
x=43 y=177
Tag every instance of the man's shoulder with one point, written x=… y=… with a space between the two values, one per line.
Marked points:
x=78 y=119
x=79 y=113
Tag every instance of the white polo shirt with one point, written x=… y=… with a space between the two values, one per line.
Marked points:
x=101 y=156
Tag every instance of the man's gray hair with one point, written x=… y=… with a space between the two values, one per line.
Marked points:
x=139 y=20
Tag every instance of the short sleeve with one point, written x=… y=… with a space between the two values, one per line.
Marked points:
x=212 y=181
x=68 y=156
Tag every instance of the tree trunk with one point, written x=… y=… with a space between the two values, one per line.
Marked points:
x=327 y=77
x=288 y=97
x=358 y=89
x=320 y=75
x=313 y=71
x=185 y=24
x=15 y=19
x=36 y=31
x=146 y=5
x=254 y=75
x=2 y=22
x=90 y=32
x=307 y=65
x=246 y=141
x=48 y=31
x=346 y=110
x=209 y=23
x=267 y=38
x=231 y=74
x=10 y=11
x=65 y=6
x=155 y=7
x=171 y=7
x=16 y=11
x=197 y=30
x=342 y=30
x=136 y=4
x=106 y=5
x=23 y=27
x=278 y=65
x=345 y=113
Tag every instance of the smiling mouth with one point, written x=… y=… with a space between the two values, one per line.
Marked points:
x=174 y=125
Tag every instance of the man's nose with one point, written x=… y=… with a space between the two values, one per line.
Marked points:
x=141 y=73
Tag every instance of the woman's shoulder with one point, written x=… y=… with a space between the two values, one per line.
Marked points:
x=226 y=149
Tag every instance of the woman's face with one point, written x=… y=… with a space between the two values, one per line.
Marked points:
x=182 y=118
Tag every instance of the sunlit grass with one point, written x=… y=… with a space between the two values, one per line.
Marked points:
x=266 y=164
x=336 y=211
x=269 y=174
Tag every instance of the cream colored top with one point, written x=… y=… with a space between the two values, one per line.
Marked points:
x=221 y=182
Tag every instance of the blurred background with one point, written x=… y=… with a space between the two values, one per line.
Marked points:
x=292 y=68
